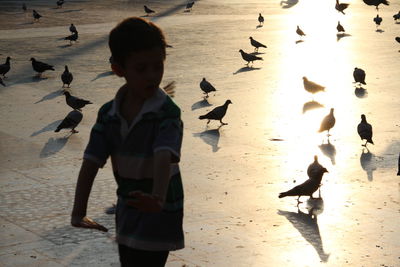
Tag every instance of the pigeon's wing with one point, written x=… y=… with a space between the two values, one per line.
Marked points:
x=364 y=130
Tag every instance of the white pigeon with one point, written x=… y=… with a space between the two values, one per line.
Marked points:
x=312 y=87
x=328 y=122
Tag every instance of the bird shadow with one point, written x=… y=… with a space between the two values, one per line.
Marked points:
x=299 y=41
x=256 y=53
x=288 y=3
x=311 y=105
x=380 y=30
x=102 y=75
x=339 y=36
x=368 y=163
x=328 y=150
x=50 y=127
x=361 y=92
x=50 y=96
x=53 y=146
x=201 y=104
x=65 y=46
x=245 y=69
x=27 y=23
x=307 y=225
x=210 y=137
x=70 y=10
x=259 y=26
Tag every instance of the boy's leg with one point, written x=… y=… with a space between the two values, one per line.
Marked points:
x=130 y=257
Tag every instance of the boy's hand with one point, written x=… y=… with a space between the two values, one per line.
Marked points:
x=144 y=202
x=86 y=222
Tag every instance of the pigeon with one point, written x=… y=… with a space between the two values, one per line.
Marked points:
x=359 y=76
x=24 y=7
x=314 y=168
x=378 y=20
x=307 y=188
x=72 y=38
x=364 y=130
x=66 y=77
x=40 y=67
x=36 y=16
x=340 y=7
x=75 y=102
x=249 y=57
x=72 y=28
x=71 y=121
x=398 y=166
x=328 y=122
x=207 y=87
x=376 y=3
x=396 y=16
x=1 y=82
x=148 y=10
x=339 y=27
x=217 y=113
x=256 y=44
x=189 y=6
x=300 y=32
x=4 y=68
x=60 y=3
x=312 y=87
x=260 y=19
x=397 y=39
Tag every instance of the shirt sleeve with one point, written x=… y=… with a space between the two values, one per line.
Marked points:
x=169 y=138
x=98 y=148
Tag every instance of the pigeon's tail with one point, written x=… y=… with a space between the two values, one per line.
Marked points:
x=284 y=194
x=385 y=2
x=57 y=130
x=202 y=117
x=52 y=68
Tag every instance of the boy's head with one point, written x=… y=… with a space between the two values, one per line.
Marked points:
x=134 y=35
x=138 y=54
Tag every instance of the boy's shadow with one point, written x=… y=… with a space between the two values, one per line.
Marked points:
x=307 y=225
x=210 y=137
x=53 y=146
x=368 y=163
x=361 y=92
x=329 y=150
x=50 y=127
x=311 y=105
x=201 y=104
x=245 y=69
x=50 y=96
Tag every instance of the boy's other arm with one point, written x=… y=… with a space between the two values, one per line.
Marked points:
x=84 y=184
x=154 y=202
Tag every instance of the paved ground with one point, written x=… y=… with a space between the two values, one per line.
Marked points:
x=232 y=174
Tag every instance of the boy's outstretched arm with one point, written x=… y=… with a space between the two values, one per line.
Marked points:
x=86 y=177
x=154 y=202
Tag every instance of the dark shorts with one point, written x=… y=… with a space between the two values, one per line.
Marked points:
x=130 y=257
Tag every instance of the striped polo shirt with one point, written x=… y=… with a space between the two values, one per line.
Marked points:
x=158 y=126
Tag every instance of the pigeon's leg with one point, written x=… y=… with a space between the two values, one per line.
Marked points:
x=223 y=123
x=74 y=131
x=366 y=143
x=208 y=122
x=298 y=201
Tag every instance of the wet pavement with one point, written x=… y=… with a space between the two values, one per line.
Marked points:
x=232 y=174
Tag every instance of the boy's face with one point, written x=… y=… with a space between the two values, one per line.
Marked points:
x=143 y=71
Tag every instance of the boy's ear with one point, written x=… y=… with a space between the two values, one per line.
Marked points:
x=117 y=69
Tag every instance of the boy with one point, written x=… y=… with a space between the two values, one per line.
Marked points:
x=142 y=131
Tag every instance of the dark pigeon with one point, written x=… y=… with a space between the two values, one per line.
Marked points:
x=397 y=39
x=378 y=20
x=40 y=67
x=341 y=6
x=376 y=3
x=4 y=68
x=66 y=77
x=300 y=32
x=396 y=16
x=260 y=19
x=24 y=7
x=75 y=102
x=339 y=27
x=256 y=44
x=60 y=3
x=328 y=122
x=307 y=188
x=217 y=113
x=249 y=57
x=72 y=28
x=207 y=87
x=36 y=16
x=71 y=121
x=72 y=38
x=189 y=6
x=359 y=76
x=364 y=130
x=314 y=168
x=148 y=10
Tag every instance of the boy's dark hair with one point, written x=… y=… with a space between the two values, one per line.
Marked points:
x=132 y=35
